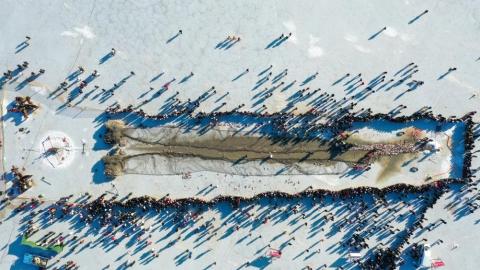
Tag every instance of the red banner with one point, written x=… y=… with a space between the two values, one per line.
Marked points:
x=438 y=263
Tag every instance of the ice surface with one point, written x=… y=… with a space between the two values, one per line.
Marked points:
x=332 y=38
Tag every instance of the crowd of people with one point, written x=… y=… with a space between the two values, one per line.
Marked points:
x=23 y=105
x=336 y=125
x=114 y=213
x=118 y=212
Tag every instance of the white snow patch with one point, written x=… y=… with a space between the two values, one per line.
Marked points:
x=391 y=32
x=277 y=102
x=39 y=89
x=313 y=49
x=293 y=39
x=291 y=28
x=290 y=25
x=351 y=38
x=362 y=49
x=405 y=37
x=84 y=31
x=456 y=81
x=69 y=34
x=123 y=55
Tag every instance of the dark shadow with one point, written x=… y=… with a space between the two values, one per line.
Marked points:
x=173 y=38
x=105 y=58
x=100 y=144
x=261 y=262
x=309 y=79
x=280 y=42
x=15 y=117
x=98 y=170
x=28 y=80
x=417 y=17
x=265 y=70
x=239 y=75
x=220 y=98
x=377 y=33
x=21 y=48
x=444 y=74
x=186 y=78
x=231 y=44
x=271 y=44
x=341 y=79
x=156 y=77
x=222 y=43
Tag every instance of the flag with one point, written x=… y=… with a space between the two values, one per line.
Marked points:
x=437 y=263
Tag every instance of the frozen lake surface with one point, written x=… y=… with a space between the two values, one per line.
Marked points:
x=254 y=56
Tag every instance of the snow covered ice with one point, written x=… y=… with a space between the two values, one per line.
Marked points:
x=198 y=59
